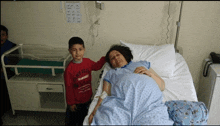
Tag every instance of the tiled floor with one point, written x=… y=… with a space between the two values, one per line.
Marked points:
x=33 y=118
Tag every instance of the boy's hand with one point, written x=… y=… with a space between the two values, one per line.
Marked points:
x=73 y=108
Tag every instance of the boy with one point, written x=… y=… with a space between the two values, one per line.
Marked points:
x=5 y=46
x=77 y=77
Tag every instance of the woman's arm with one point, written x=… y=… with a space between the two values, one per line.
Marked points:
x=158 y=79
x=107 y=89
x=160 y=82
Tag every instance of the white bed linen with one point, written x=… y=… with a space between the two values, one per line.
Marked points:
x=178 y=87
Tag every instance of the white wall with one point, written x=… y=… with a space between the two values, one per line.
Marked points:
x=141 y=22
x=199 y=34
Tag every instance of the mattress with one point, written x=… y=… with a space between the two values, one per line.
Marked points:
x=38 y=63
x=178 y=87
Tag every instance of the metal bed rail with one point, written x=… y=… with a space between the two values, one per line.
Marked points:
x=26 y=66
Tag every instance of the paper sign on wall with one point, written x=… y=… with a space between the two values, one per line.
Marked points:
x=73 y=14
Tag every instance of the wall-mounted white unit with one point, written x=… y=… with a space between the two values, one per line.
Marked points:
x=209 y=93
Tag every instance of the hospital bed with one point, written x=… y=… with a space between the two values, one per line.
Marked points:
x=178 y=80
x=37 y=83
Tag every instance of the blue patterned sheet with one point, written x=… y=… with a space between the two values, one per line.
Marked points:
x=187 y=112
x=135 y=100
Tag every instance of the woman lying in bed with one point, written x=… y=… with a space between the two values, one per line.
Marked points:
x=131 y=93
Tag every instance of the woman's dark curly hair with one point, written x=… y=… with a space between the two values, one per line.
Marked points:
x=125 y=51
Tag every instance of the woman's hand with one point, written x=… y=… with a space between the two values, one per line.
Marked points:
x=151 y=73
x=143 y=70
x=91 y=117
x=73 y=108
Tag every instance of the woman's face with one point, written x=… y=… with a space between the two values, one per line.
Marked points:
x=117 y=59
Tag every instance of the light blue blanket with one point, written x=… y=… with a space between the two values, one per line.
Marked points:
x=135 y=100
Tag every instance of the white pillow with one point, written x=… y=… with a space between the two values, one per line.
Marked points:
x=162 y=57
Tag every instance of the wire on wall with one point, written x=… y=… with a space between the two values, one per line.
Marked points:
x=92 y=24
x=168 y=22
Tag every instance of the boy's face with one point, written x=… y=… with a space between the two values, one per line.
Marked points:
x=4 y=36
x=77 y=52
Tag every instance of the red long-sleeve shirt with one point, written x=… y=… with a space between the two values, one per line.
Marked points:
x=77 y=77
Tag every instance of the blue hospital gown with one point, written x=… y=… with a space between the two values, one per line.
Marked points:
x=135 y=99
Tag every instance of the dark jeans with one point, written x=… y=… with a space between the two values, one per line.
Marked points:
x=76 y=118
x=5 y=101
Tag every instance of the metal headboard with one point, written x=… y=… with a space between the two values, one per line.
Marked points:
x=178 y=28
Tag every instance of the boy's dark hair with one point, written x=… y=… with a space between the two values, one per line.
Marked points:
x=125 y=51
x=75 y=40
x=3 y=28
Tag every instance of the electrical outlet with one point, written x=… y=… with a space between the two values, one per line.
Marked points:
x=100 y=5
